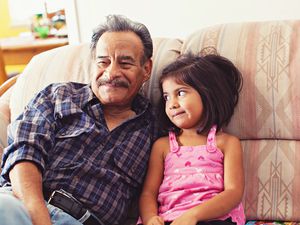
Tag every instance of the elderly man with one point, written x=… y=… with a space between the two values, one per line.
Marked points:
x=78 y=154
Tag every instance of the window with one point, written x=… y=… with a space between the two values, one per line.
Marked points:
x=22 y=11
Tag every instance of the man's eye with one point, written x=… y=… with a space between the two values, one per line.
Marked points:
x=126 y=64
x=102 y=63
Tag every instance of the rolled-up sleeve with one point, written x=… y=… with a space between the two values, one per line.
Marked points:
x=31 y=135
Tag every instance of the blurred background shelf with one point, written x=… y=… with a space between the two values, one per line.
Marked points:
x=16 y=52
x=20 y=51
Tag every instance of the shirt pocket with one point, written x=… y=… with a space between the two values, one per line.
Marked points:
x=74 y=131
x=72 y=141
x=132 y=163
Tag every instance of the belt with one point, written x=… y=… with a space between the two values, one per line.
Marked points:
x=66 y=202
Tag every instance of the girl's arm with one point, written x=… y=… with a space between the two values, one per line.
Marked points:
x=148 y=199
x=225 y=201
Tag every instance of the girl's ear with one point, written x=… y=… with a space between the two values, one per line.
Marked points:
x=147 y=69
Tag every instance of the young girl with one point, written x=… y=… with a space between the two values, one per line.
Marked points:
x=195 y=175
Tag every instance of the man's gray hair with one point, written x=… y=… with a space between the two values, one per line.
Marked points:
x=118 y=23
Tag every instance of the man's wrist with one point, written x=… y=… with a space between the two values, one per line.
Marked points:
x=39 y=213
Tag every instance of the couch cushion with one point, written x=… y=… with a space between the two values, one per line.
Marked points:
x=267 y=118
x=268 y=55
x=165 y=50
x=67 y=63
x=272 y=183
x=266 y=222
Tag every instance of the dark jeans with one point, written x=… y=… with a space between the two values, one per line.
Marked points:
x=212 y=222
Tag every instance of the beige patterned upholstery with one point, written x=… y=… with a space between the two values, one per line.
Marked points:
x=267 y=118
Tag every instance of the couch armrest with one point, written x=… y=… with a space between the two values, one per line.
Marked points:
x=5 y=93
x=4 y=121
x=8 y=84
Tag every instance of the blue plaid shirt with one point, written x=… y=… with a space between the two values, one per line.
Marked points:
x=63 y=131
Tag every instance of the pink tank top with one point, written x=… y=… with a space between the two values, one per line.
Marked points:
x=192 y=175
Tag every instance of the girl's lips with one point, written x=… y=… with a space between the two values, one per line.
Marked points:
x=177 y=113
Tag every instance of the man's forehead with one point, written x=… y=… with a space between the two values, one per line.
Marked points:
x=119 y=43
x=117 y=54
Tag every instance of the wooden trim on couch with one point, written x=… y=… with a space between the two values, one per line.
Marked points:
x=3 y=75
x=7 y=84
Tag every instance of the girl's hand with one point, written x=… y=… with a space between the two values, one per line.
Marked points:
x=155 y=220
x=185 y=219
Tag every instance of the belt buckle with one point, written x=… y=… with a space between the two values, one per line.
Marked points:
x=85 y=216
x=58 y=192
x=69 y=204
x=63 y=194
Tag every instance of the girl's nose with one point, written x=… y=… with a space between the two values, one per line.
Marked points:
x=174 y=105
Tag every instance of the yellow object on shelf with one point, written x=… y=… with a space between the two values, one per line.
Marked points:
x=14 y=69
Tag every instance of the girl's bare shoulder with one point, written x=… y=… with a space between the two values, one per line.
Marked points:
x=162 y=141
x=225 y=140
x=162 y=145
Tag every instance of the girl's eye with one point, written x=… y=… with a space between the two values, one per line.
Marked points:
x=166 y=97
x=181 y=93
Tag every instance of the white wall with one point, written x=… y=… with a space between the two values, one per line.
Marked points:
x=22 y=11
x=175 y=18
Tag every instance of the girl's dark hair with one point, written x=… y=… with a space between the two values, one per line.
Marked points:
x=216 y=79
x=118 y=23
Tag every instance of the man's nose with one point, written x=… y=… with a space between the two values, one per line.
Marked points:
x=112 y=71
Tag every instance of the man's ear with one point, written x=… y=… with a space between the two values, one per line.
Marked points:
x=147 y=69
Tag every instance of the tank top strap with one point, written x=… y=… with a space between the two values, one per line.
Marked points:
x=211 y=145
x=174 y=147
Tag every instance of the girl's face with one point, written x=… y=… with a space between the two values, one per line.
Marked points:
x=183 y=104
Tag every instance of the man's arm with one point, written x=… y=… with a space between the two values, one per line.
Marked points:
x=31 y=138
x=26 y=180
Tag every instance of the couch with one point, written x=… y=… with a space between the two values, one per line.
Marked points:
x=267 y=118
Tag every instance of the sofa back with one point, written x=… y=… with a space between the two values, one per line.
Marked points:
x=267 y=118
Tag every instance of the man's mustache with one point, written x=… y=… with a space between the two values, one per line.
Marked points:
x=117 y=82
